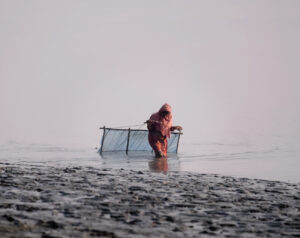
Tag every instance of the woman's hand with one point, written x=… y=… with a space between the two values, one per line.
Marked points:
x=179 y=128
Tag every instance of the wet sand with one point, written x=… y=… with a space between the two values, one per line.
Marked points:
x=43 y=201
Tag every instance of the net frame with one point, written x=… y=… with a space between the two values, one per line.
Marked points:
x=122 y=139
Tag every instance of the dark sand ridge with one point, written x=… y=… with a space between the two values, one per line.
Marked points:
x=85 y=202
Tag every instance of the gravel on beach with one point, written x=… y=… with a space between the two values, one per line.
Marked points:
x=43 y=201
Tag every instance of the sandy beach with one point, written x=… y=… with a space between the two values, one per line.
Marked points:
x=43 y=201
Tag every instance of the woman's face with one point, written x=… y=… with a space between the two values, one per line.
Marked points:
x=165 y=113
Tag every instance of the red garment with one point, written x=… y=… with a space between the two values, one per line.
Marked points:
x=159 y=144
x=160 y=127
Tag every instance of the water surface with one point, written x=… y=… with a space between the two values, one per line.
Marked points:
x=279 y=160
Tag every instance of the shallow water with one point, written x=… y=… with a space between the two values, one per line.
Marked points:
x=278 y=160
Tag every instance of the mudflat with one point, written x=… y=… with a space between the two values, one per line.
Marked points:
x=44 y=201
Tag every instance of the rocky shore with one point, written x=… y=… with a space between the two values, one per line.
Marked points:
x=42 y=201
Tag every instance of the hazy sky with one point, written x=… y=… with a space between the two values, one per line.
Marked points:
x=228 y=68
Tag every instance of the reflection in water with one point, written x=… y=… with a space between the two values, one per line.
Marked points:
x=159 y=165
x=140 y=161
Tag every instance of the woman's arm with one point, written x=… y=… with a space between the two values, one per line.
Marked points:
x=151 y=124
x=178 y=128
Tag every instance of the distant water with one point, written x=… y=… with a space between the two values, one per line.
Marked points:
x=276 y=160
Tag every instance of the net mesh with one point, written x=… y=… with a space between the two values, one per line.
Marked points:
x=132 y=140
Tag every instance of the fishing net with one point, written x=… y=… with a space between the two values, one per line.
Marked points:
x=132 y=140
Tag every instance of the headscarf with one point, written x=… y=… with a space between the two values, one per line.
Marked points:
x=162 y=123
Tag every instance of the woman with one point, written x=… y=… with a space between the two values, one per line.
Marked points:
x=160 y=127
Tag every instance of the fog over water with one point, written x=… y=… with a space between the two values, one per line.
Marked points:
x=230 y=70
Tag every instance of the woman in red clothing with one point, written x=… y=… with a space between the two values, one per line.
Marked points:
x=160 y=127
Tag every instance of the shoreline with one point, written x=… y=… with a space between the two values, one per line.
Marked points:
x=45 y=201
